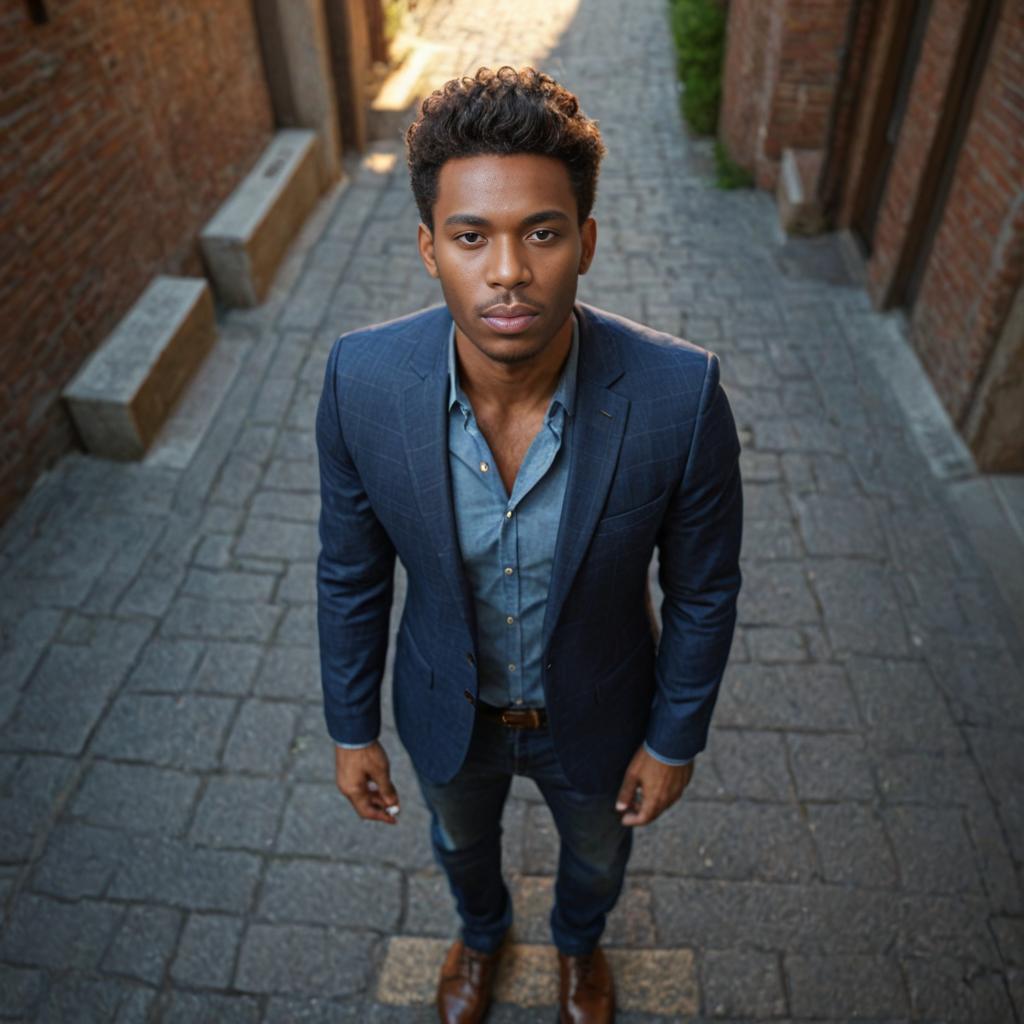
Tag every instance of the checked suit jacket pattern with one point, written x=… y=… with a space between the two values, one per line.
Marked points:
x=654 y=461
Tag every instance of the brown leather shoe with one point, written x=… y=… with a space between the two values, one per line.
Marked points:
x=464 y=991
x=586 y=992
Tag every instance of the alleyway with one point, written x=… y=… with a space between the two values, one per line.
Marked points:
x=172 y=844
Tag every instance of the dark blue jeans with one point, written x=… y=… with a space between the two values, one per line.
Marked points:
x=466 y=835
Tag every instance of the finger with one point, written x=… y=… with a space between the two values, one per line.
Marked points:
x=644 y=815
x=387 y=795
x=627 y=792
x=365 y=808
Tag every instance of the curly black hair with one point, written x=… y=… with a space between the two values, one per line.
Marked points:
x=502 y=112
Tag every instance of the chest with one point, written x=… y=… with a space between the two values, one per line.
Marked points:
x=509 y=439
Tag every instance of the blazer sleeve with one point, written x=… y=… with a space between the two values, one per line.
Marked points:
x=699 y=572
x=354 y=579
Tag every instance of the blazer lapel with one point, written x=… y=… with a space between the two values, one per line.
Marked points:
x=425 y=429
x=597 y=431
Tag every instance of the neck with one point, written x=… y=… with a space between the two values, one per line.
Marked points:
x=512 y=385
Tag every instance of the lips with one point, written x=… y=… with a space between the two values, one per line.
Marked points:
x=509 y=324
x=510 y=319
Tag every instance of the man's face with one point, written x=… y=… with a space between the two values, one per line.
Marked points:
x=506 y=235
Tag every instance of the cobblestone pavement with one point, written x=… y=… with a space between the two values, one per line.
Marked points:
x=172 y=846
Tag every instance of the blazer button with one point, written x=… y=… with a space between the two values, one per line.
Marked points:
x=548 y=665
x=470 y=658
x=468 y=696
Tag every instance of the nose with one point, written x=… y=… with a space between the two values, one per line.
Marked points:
x=507 y=267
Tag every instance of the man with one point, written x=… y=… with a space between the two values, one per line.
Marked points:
x=522 y=454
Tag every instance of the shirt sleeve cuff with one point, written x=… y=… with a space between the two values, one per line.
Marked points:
x=666 y=760
x=355 y=746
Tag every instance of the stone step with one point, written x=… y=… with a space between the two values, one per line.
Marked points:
x=800 y=211
x=397 y=102
x=121 y=396
x=248 y=236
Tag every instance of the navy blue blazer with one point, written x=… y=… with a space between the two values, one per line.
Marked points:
x=654 y=460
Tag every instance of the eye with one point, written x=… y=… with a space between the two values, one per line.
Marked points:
x=470 y=237
x=546 y=232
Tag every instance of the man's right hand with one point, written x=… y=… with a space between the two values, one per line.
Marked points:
x=364 y=777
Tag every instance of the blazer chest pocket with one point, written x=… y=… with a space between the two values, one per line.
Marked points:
x=631 y=519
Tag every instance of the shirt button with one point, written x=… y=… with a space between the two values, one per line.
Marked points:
x=470 y=658
x=511 y=667
x=510 y=619
x=508 y=570
x=520 y=701
x=484 y=467
x=508 y=514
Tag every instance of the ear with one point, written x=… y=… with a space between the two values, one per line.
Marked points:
x=588 y=243
x=425 y=242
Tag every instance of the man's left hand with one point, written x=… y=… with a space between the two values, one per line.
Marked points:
x=650 y=787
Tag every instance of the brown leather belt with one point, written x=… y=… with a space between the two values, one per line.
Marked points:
x=514 y=718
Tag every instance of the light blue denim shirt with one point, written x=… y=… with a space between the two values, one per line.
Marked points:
x=507 y=540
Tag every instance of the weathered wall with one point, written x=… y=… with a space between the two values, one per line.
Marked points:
x=122 y=126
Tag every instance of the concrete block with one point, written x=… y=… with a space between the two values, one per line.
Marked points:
x=797 y=192
x=247 y=237
x=120 y=398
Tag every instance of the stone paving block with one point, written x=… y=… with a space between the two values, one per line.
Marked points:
x=166 y=666
x=183 y=732
x=430 y=908
x=929 y=778
x=748 y=764
x=1001 y=758
x=771 y=540
x=301 y=507
x=630 y=924
x=203 y=1008
x=20 y=990
x=840 y=525
x=659 y=981
x=80 y=860
x=862 y=613
x=994 y=858
x=220 y=620
x=741 y=840
x=764 y=501
x=238 y=813
x=22 y=646
x=239 y=477
x=289 y=1010
x=261 y=738
x=74 y=997
x=799 y=434
x=933 y=849
x=850 y=986
x=299 y=626
x=299 y=584
x=143 y=943
x=902 y=707
x=742 y=985
x=814 y=697
x=935 y=926
x=273 y=538
x=852 y=846
x=228 y=668
x=773 y=644
x=222 y=585
x=31 y=788
x=956 y=992
x=776 y=594
x=300 y=477
x=345 y=895
x=982 y=686
x=304 y=960
x=754 y=915
x=319 y=822
x=205 y=956
x=43 y=932
x=291 y=673
x=173 y=872
x=830 y=766
x=135 y=798
x=1009 y=933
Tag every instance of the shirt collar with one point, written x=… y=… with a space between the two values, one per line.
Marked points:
x=565 y=390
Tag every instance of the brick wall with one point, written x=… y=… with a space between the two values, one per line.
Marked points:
x=782 y=66
x=124 y=125
x=976 y=262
